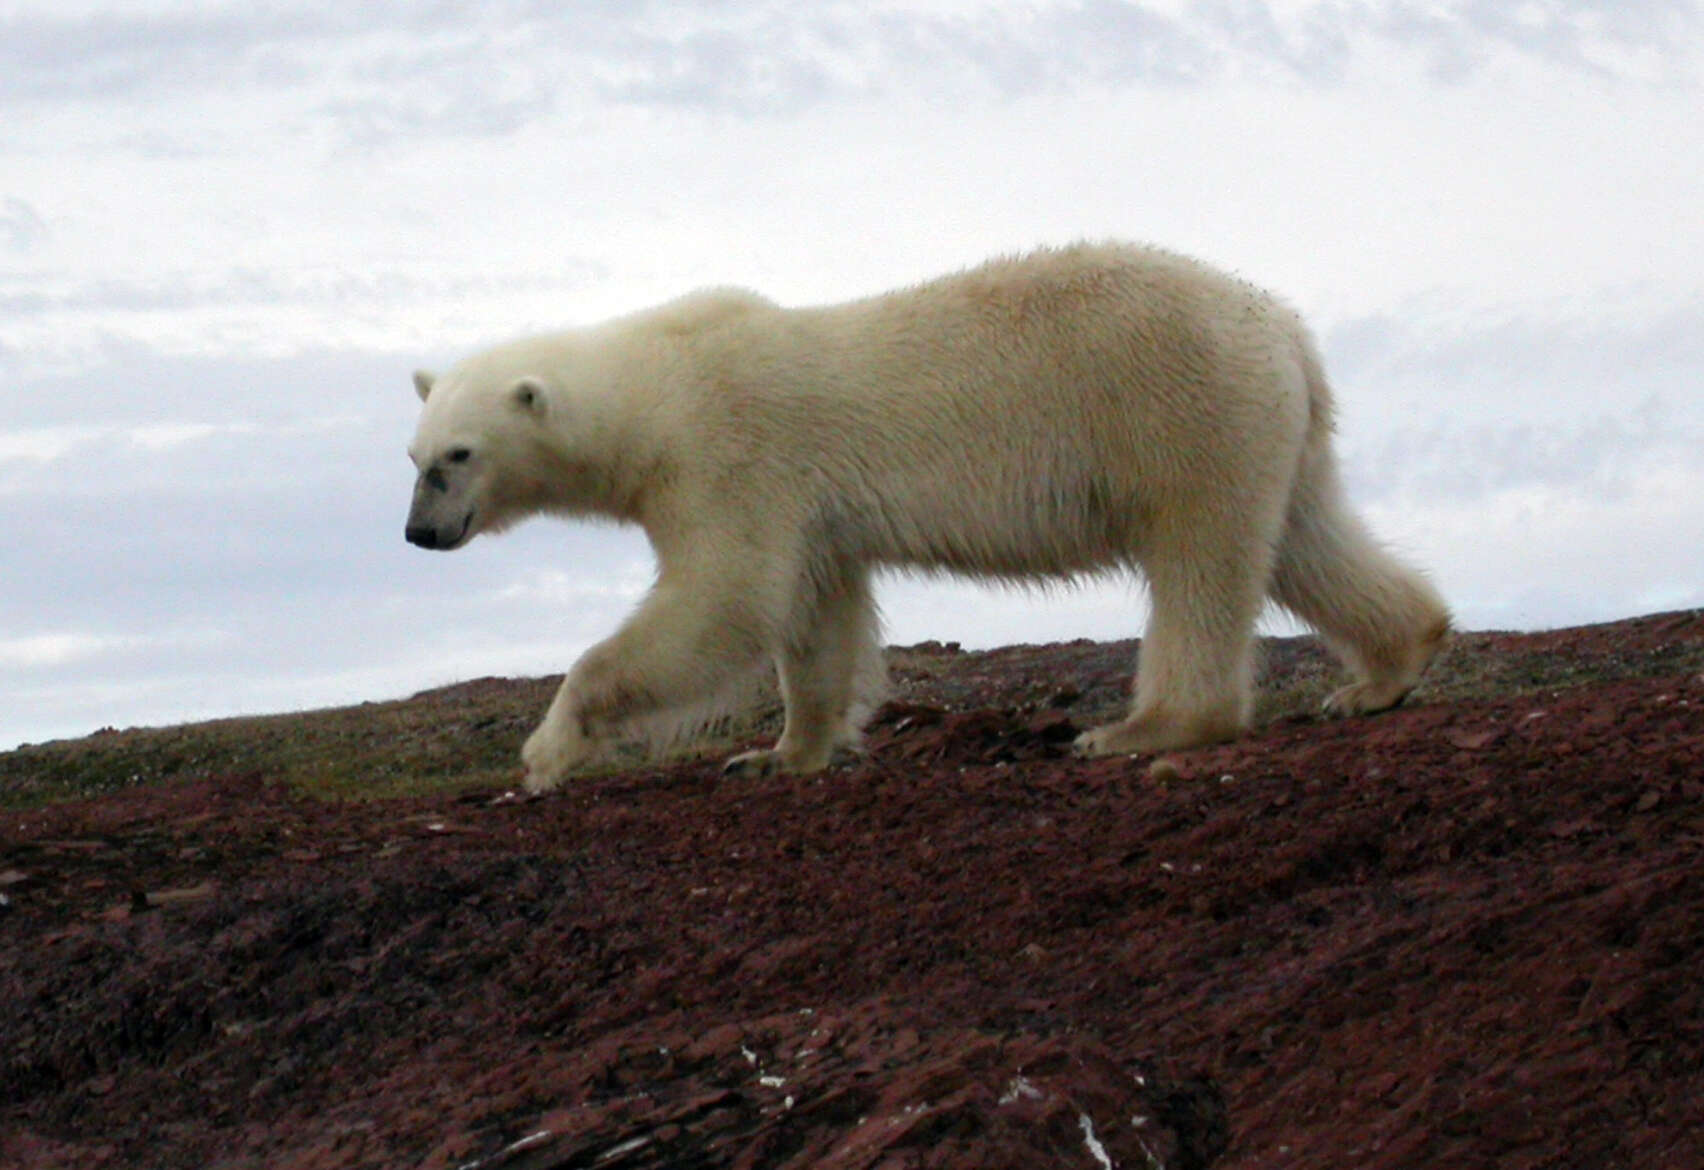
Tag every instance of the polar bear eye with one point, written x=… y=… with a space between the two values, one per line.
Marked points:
x=459 y=455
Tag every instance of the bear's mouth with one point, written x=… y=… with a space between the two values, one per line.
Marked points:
x=462 y=534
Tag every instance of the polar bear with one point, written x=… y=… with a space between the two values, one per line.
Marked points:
x=1078 y=409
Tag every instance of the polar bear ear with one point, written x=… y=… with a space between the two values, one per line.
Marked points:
x=528 y=395
x=423 y=380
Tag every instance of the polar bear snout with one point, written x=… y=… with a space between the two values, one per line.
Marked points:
x=443 y=535
x=438 y=518
x=429 y=536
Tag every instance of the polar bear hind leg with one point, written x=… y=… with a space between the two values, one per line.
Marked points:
x=1381 y=617
x=1206 y=578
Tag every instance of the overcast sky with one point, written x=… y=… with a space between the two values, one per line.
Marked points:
x=228 y=232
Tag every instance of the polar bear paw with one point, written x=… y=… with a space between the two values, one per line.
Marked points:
x=541 y=777
x=1366 y=698
x=755 y=765
x=549 y=757
x=770 y=761
x=1142 y=734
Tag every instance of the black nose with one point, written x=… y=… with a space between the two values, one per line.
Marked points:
x=423 y=535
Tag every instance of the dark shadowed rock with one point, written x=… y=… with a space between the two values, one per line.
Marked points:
x=850 y=1091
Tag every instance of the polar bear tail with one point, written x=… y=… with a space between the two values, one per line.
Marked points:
x=1381 y=616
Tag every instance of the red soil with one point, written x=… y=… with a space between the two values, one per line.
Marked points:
x=1462 y=934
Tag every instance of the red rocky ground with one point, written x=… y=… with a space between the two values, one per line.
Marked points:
x=1468 y=933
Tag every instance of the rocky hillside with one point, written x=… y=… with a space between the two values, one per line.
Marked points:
x=1467 y=933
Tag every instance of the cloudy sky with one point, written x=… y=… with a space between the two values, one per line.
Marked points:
x=228 y=231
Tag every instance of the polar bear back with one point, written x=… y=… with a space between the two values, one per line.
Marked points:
x=1033 y=416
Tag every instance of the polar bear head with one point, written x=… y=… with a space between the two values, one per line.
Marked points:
x=481 y=448
x=583 y=422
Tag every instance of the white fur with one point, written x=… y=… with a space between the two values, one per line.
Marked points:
x=1046 y=416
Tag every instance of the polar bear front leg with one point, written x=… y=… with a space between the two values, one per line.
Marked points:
x=831 y=674
x=557 y=745
x=1194 y=678
x=674 y=656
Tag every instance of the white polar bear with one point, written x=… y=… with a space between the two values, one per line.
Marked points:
x=1048 y=416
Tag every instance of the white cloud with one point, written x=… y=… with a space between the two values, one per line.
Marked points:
x=1536 y=554
x=558 y=587
x=43 y=444
x=54 y=651
x=114 y=449
x=392 y=73
x=1346 y=196
x=57 y=649
x=21 y=226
